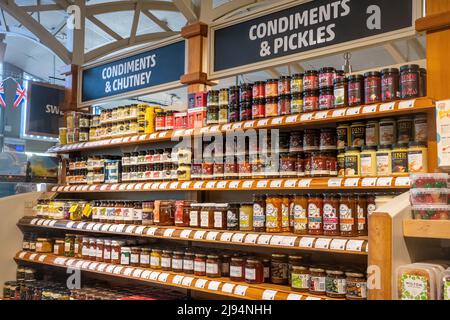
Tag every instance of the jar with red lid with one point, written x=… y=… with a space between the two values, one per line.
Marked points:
x=233 y=95
x=288 y=165
x=237 y=269
x=272 y=88
x=340 y=93
x=311 y=140
x=246 y=93
x=259 y=108
x=355 y=90
x=284 y=105
x=315 y=215
x=372 y=87
x=331 y=215
x=245 y=111
x=362 y=215
x=254 y=271
x=284 y=85
x=326 y=77
x=207 y=169
x=196 y=170
x=348 y=216
x=409 y=81
x=389 y=84
x=200 y=265
x=310 y=101
x=319 y=165
x=332 y=163
x=170 y=120
x=328 y=139
x=326 y=99
x=271 y=108
x=310 y=80
x=259 y=90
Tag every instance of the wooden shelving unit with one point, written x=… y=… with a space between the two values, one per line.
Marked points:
x=287 y=241
x=396 y=108
x=219 y=286
x=431 y=229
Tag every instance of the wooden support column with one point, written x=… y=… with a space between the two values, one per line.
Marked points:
x=196 y=77
x=70 y=72
x=437 y=26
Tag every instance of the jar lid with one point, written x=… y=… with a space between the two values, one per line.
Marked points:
x=237 y=259
x=404 y=118
x=253 y=260
x=167 y=251
x=285 y=78
x=389 y=70
x=335 y=272
x=355 y=275
x=200 y=255
x=356 y=77
x=297 y=75
x=384 y=146
x=327 y=69
x=414 y=67
x=179 y=253
x=42 y=239
x=372 y=74
x=316 y=270
x=357 y=124
x=352 y=149
x=125 y=249
x=295 y=258
x=417 y=144
x=156 y=250
x=340 y=81
x=311 y=93
x=213 y=256
x=277 y=255
x=299 y=268
x=271 y=80
x=400 y=146
x=310 y=72
x=367 y=148
x=233 y=88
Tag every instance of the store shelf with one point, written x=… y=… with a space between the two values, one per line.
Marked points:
x=313 y=118
x=220 y=286
x=250 y=185
x=340 y=245
x=432 y=229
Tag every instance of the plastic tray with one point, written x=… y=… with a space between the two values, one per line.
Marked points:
x=429 y=196
x=431 y=212
x=429 y=180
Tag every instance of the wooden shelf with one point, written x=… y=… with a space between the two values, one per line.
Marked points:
x=288 y=241
x=220 y=286
x=250 y=185
x=431 y=229
x=396 y=108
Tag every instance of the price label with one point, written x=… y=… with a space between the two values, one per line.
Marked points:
x=85 y=265
x=139 y=230
x=354 y=245
x=276 y=240
x=247 y=184
x=402 y=182
x=221 y=185
x=104 y=187
x=92 y=188
x=214 y=285
x=198 y=235
x=251 y=238
x=113 y=228
x=137 y=273
x=120 y=228
x=263 y=122
x=339 y=113
x=151 y=231
x=154 y=276
x=276 y=183
x=40 y=222
x=406 y=104
x=200 y=283
x=291 y=119
x=163 y=185
x=313 y=298
x=33 y=221
x=118 y=270
x=58 y=261
x=306 y=242
x=163 y=277
x=70 y=262
x=237 y=126
x=211 y=236
x=351 y=182
x=73 y=188
x=130 y=229
x=204 y=130
x=185 y=234
x=131 y=186
x=187 y=281
x=269 y=294
x=148 y=186
x=79 y=188
x=226 y=237
x=177 y=279
x=185 y=185
x=262 y=184
x=384 y=182
x=228 y=287
x=353 y=111
x=294 y=296
x=369 y=109
x=79 y=264
x=321 y=115
x=198 y=185
x=81 y=225
x=22 y=255
x=238 y=237
x=369 y=182
x=211 y=185
x=162 y=134
x=227 y=127
x=277 y=121
x=46 y=223
x=249 y=124
x=42 y=258
x=288 y=241
x=110 y=268
x=214 y=129
x=233 y=184
x=101 y=267
x=114 y=187
x=264 y=239
x=169 y=232
x=104 y=227
x=178 y=133
x=240 y=290
x=338 y=244
x=90 y=226
x=322 y=243
x=387 y=107
x=146 y=274
x=52 y=223
x=304 y=183
x=306 y=117
x=93 y=266
x=155 y=186
x=334 y=182
x=153 y=136
x=134 y=138
x=85 y=188
x=290 y=183
x=173 y=185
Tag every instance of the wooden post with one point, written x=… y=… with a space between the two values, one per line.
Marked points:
x=70 y=72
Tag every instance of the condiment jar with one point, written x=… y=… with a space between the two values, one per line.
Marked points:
x=335 y=284
x=417 y=157
x=372 y=87
x=300 y=279
x=389 y=84
x=409 y=81
x=355 y=90
x=279 y=269
x=155 y=259
x=189 y=262
x=315 y=215
x=177 y=261
x=213 y=266
x=399 y=159
x=254 y=271
x=340 y=93
x=246 y=217
x=356 y=286
x=273 y=214
x=330 y=215
x=368 y=160
x=166 y=260
x=348 y=216
x=317 y=281
x=352 y=162
x=237 y=269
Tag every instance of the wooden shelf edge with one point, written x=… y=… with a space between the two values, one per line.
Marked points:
x=359 y=243
x=429 y=229
x=313 y=118
x=253 y=292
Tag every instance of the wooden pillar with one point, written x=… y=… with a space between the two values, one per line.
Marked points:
x=196 y=78
x=437 y=26
x=70 y=72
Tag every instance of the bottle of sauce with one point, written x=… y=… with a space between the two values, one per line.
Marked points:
x=300 y=208
x=348 y=216
x=315 y=215
x=330 y=215
x=362 y=215
x=273 y=214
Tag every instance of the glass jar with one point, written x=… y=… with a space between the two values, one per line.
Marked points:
x=259 y=213
x=319 y=165
x=259 y=108
x=372 y=87
x=212 y=115
x=213 y=266
x=421 y=128
x=125 y=255
x=357 y=134
x=177 y=262
x=245 y=111
x=352 y=162
x=300 y=279
x=372 y=133
x=246 y=217
x=317 y=281
x=326 y=77
x=355 y=90
x=207 y=216
x=233 y=217
x=284 y=85
x=69 y=245
x=343 y=136
x=405 y=129
x=164 y=213
x=399 y=158
x=384 y=160
x=417 y=157
x=356 y=286
x=194 y=215
x=311 y=140
x=99 y=250
x=237 y=269
x=284 y=105
x=285 y=213
x=299 y=212
x=330 y=215
x=293 y=261
x=223 y=96
x=335 y=284
x=254 y=271
x=327 y=139
x=310 y=80
x=144 y=258
x=233 y=95
x=44 y=245
x=272 y=88
x=287 y=165
x=326 y=99
x=233 y=113
x=220 y=216
x=315 y=215
x=225 y=265
x=348 y=216
x=297 y=103
x=368 y=161
x=297 y=83
x=389 y=84
x=340 y=93
x=166 y=260
x=279 y=269
x=135 y=256
x=147 y=213
x=155 y=259
x=362 y=215
x=259 y=90
x=189 y=262
x=58 y=248
x=274 y=214
x=409 y=81
x=271 y=108
x=223 y=113
x=310 y=101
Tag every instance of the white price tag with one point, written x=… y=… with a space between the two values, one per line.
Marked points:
x=294 y=296
x=369 y=109
x=85 y=265
x=221 y=185
x=153 y=136
x=251 y=238
x=321 y=115
x=227 y=127
x=262 y=184
x=22 y=255
x=228 y=287
x=81 y=225
x=40 y=222
x=288 y=241
x=97 y=226
x=322 y=243
x=120 y=228
x=240 y=290
x=163 y=277
x=90 y=226
x=148 y=186
x=276 y=183
x=185 y=185
x=387 y=107
x=354 y=245
x=306 y=117
x=169 y=232
x=269 y=294
x=151 y=231
x=105 y=227
x=93 y=188
x=306 y=242
x=79 y=264
x=85 y=188
x=264 y=239
x=384 y=182
x=237 y=126
x=163 y=185
x=291 y=119
x=131 y=186
x=402 y=182
x=146 y=274
x=200 y=283
x=154 y=276
x=138 y=186
x=353 y=111
x=93 y=266
x=338 y=244
x=42 y=258
x=263 y=122
x=406 y=104
x=277 y=121
x=117 y=270
x=139 y=230
x=212 y=235
x=79 y=188
x=339 y=113
x=214 y=129
x=104 y=187
x=198 y=185
x=177 y=279
x=335 y=182
x=178 y=133
x=234 y=184
x=276 y=240
x=198 y=235
x=110 y=268
x=313 y=298
x=33 y=222
x=112 y=228
x=369 y=182
x=130 y=229
x=52 y=223
x=155 y=185
x=290 y=183
x=351 y=182
x=137 y=273
x=162 y=134
x=226 y=237
x=304 y=183
x=214 y=285
x=211 y=185
x=249 y=124
x=187 y=281
x=70 y=262
x=101 y=267
x=185 y=234
x=46 y=223
x=174 y=185
x=238 y=237
x=248 y=184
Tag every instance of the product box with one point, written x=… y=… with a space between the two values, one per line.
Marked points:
x=443 y=133
x=201 y=99
x=196 y=118
x=180 y=120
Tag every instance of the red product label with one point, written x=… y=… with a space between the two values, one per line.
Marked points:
x=169 y=122
x=311 y=104
x=259 y=91
x=259 y=110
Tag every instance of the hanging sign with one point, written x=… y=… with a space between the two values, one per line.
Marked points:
x=130 y=75
x=306 y=27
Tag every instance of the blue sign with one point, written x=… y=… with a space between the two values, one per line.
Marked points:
x=148 y=69
x=305 y=27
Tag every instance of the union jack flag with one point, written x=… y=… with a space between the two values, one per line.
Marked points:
x=21 y=96
x=2 y=95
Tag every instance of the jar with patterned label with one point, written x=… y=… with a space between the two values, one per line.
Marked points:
x=335 y=283
x=330 y=215
x=300 y=279
x=273 y=214
x=348 y=216
x=259 y=213
x=317 y=281
x=299 y=208
x=362 y=215
x=315 y=215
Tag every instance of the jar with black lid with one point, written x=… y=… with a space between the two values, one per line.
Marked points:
x=284 y=85
x=213 y=266
x=279 y=269
x=246 y=92
x=310 y=80
x=233 y=217
x=297 y=83
x=409 y=81
x=233 y=113
x=233 y=95
x=340 y=93
x=372 y=87
x=326 y=77
x=245 y=112
x=389 y=84
x=422 y=82
x=335 y=284
x=355 y=90
x=326 y=99
x=272 y=88
x=310 y=101
x=213 y=98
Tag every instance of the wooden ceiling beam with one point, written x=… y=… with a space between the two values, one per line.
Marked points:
x=41 y=8
x=105 y=28
x=118 y=6
x=186 y=7
x=162 y=24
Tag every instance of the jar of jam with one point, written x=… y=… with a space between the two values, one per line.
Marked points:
x=297 y=103
x=326 y=77
x=409 y=81
x=207 y=216
x=300 y=279
x=319 y=165
x=212 y=115
x=340 y=93
x=315 y=215
x=284 y=85
x=213 y=266
x=259 y=90
x=246 y=92
x=355 y=90
x=311 y=140
x=177 y=262
x=297 y=83
x=254 y=271
x=273 y=214
x=233 y=212
x=317 y=281
x=399 y=158
x=223 y=97
x=225 y=265
x=245 y=167
x=352 y=162
x=389 y=84
x=328 y=139
x=166 y=260
x=189 y=262
x=348 y=216
x=405 y=129
x=135 y=256
x=310 y=101
x=125 y=256
x=155 y=259
x=200 y=265
x=372 y=87
x=326 y=99
x=310 y=80
x=272 y=88
x=420 y=128
x=356 y=285
x=245 y=112
x=164 y=213
x=144 y=258
x=279 y=269
x=357 y=134
x=343 y=136
x=284 y=105
x=233 y=113
x=237 y=269
x=223 y=113
x=293 y=261
x=246 y=217
x=296 y=141
x=287 y=165
x=285 y=213
x=259 y=108
x=335 y=284
x=362 y=215
x=233 y=95
x=220 y=216
x=259 y=213
x=330 y=215
x=271 y=109
x=300 y=218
